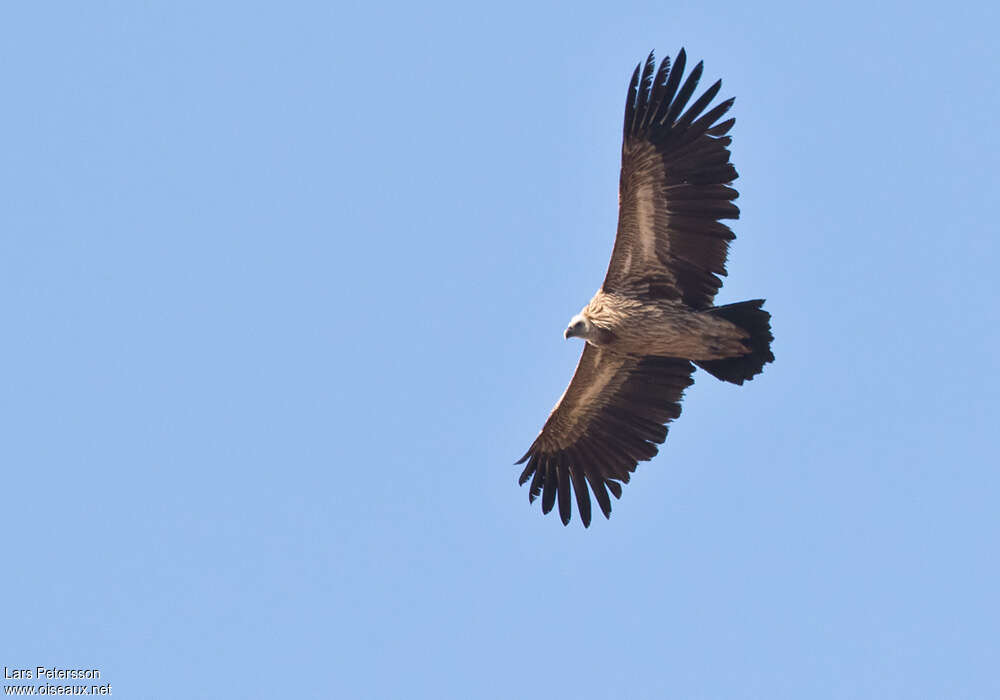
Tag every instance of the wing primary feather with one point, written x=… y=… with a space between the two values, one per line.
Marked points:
x=550 y=486
x=684 y=94
x=705 y=121
x=642 y=96
x=529 y=469
x=656 y=98
x=701 y=103
x=537 y=481
x=600 y=493
x=671 y=87
x=565 y=505
x=582 y=496
x=630 y=100
x=722 y=128
x=615 y=488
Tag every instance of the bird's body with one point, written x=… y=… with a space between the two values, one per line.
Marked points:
x=630 y=325
x=654 y=315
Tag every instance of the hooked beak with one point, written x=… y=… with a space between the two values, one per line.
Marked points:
x=567 y=334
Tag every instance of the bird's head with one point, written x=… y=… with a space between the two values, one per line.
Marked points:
x=579 y=327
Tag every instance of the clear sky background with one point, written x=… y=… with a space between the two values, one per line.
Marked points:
x=283 y=289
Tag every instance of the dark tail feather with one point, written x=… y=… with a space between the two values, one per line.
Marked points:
x=757 y=323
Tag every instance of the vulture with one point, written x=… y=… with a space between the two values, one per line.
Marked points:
x=653 y=318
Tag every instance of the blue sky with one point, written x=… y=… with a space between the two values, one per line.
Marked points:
x=284 y=290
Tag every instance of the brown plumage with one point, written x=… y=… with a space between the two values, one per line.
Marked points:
x=653 y=316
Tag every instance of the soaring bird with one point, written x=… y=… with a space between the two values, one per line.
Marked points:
x=653 y=316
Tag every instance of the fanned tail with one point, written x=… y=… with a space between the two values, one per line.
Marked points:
x=749 y=316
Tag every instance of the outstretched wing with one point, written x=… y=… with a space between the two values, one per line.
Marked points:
x=611 y=416
x=673 y=188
